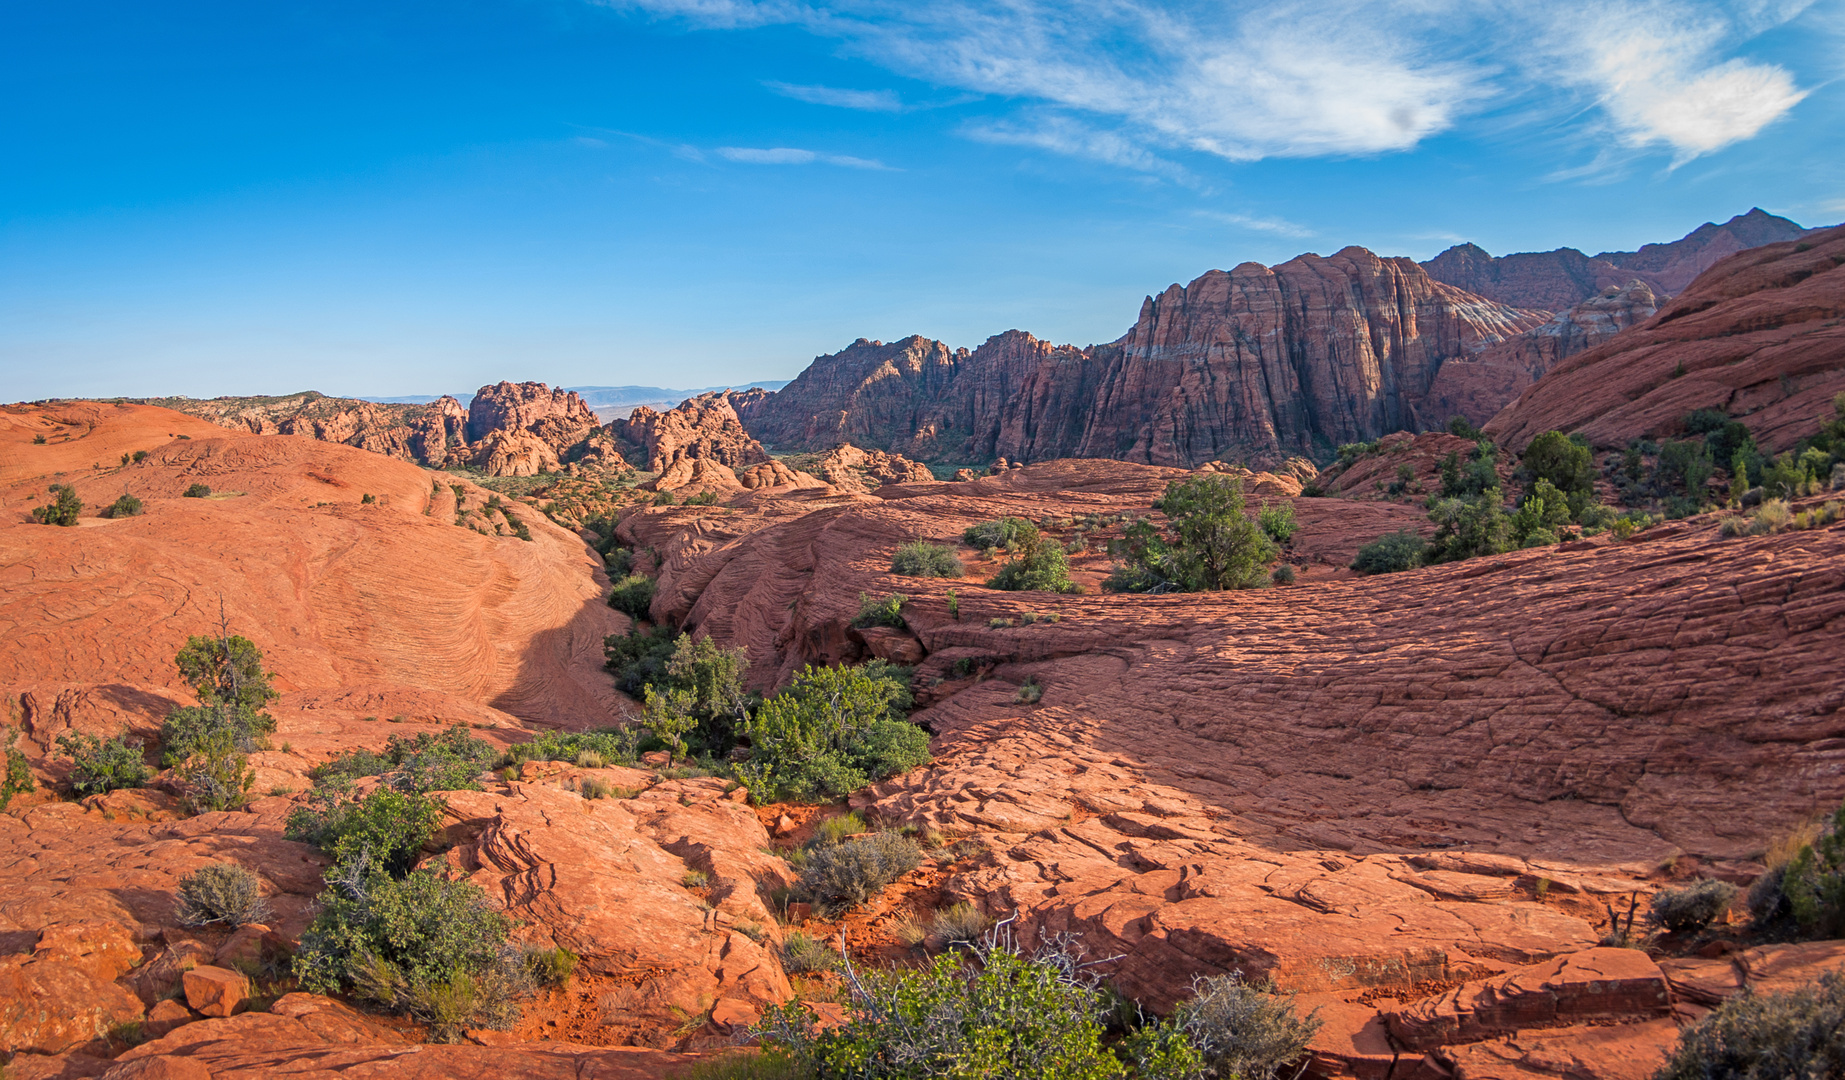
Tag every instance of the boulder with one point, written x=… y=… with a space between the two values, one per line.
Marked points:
x=216 y=991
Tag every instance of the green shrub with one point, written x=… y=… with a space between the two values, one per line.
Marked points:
x=216 y=775
x=1771 y=517
x=1030 y=693
x=831 y=732
x=835 y=829
x=1209 y=543
x=1684 y=467
x=1814 y=882
x=749 y=1065
x=610 y=745
x=1564 y=463
x=1462 y=427
x=220 y=894
x=198 y=491
x=385 y=830
x=1692 y=907
x=550 y=967
x=432 y=948
x=451 y=761
x=708 y=497
x=1282 y=575
x=102 y=765
x=17 y=777
x=633 y=596
x=919 y=558
x=887 y=611
x=1753 y=1036
x=1003 y=533
x=1241 y=1031
x=663 y=498
x=846 y=874
x=1038 y=564
x=1004 y=1015
x=803 y=953
x=1278 y=522
x=1467 y=527
x=62 y=510
x=1390 y=553
x=124 y=506
x=639 y=658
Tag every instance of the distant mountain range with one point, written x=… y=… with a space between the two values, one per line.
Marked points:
x=609 y=402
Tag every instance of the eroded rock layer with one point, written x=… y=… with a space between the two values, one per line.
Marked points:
x=1256 y=362
x=1758 y=335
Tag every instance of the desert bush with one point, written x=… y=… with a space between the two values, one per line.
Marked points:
x=633 y=596
x=220 y=894
x=16 y=778
x=1565 y=464
x=1814 y=882
x=1390 y=553
x=1278 y=522
x=550 y=967
x=835 y=829
x=215 y=775
x=663 y=498
x=1770 y=518
x=639 y=657
x=918 y=558
x=1732 y=525
x=998 y=1014
x=63 y=508
x=1241 y=1031
x=831 y=732
x=125 y=506
x=1684 y=466
x=1753 y=1036
x=1030 y=693
x=802 y=953
x=198 y=491
x=1692 y=907
x=435 y=949
x=708 y=497
x=844 y=875
x=1282 y=575
x=451 y=761
x=1003 y=533
x=384 y=831
x=884 y=611
x=102 y=765
x=609 y=745
x=749 y=1065
x=226 y=672
x=1038 y=564
x=961 y=922
x=1468 y=527
x=1208 y=545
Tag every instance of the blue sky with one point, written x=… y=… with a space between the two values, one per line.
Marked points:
x=417 y=197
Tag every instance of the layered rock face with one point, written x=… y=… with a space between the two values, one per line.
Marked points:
x=702 y=428
x=1478 y=387
x=1255 y=362
x=1758 y=335
x=1563 y=278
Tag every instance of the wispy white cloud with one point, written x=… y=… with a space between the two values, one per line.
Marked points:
x=788 y=155
x=1278 y=226
x=1134 y=82
x=866 y=100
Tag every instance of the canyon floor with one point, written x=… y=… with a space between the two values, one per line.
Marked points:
x=1412 y=800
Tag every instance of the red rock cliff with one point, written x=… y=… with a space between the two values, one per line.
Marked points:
x=1255 y=362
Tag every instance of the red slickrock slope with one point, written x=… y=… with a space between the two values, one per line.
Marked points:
x=1560 y=279
x=1256 y=362
x=1478 y=387
x=1760 y=335
x=369 y=600
x=850 y=469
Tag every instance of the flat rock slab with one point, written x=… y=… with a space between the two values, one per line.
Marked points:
x=1622 y=1052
